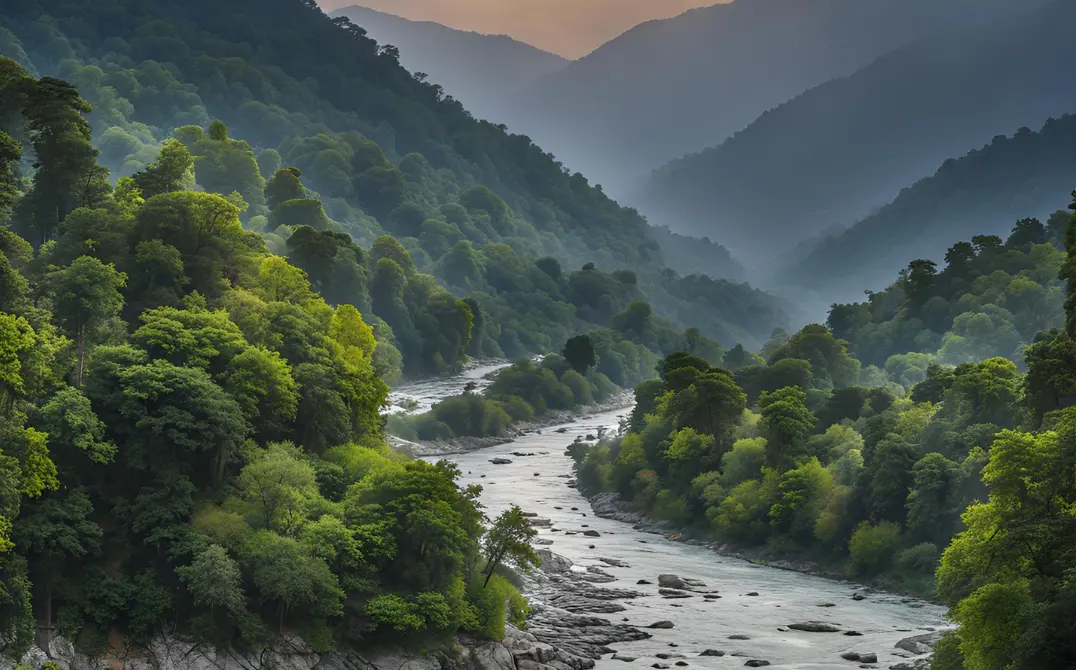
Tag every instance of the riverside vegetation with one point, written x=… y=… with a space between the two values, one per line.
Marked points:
x=948 y=472
x=191 y=434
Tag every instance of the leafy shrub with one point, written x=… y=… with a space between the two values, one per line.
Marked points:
x=872 y=547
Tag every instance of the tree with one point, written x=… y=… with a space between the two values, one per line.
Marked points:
x=932 y=508
x=85 y=294
x=508 y=541
x=172 y=171
x=579 y=352
x=786 y=423
x=279 y=483
x=286 y=184
x=67 y=174
x=712 y=405
x=10 y=183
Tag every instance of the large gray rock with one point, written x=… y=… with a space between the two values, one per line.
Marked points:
x=815 y=627
x=920 y=644
x=671 y=582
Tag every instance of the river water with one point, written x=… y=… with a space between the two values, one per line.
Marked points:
x=540 y=481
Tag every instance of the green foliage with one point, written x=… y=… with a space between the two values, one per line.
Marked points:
x=872 y=547
x=191 y=434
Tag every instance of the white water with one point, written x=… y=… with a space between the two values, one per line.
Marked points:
x=538 y=483
x=422 y=396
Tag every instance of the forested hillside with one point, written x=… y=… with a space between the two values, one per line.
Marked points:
x=838 y=151
x=484 y=72
x=669 y=87
x=948 y=480
x=384 y=153
x=981 y=193
x=191 y=435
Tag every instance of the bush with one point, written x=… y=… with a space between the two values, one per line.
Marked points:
x=872 y=547
x=922 y=558
x=517 y=408
x=497 y=603
x=947 y=654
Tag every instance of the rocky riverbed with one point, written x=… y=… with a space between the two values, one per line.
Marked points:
x=601 y=594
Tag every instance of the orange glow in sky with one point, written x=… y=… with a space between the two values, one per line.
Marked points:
x=571 y=28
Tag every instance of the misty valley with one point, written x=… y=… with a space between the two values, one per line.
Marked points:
x=334 y=339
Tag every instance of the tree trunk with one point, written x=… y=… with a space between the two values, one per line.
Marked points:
x=44 y=632
x=81 y=354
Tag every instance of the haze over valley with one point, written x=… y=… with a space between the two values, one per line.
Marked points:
x=537 y=335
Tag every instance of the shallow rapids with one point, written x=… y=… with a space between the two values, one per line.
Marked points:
x=539 y=479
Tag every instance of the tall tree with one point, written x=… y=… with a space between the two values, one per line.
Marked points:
x=85 y=294
x=509 y=541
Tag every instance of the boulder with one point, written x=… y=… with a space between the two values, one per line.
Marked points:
x=682 y=664
x=500 y=461
x=674 y=593
x=661 y=624
x=671 y=582
x=643 y=581
x=739 y=636
x=850 y=656
x=815 y=627
x=920 y=644
x=712 y=652
x=592 y=533
x=868 y=658
x=493 y=656
x=622 y=657
x=660 y=666
x=666 y=656
x=756 y=663
x=853 y=633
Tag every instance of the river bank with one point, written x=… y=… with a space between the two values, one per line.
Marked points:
x=608 y=505
x=744 y=612
x=551 y=419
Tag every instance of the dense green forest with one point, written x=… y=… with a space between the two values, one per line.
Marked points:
x=385 y=154
x=192 y=438
x=991 y=298
x=978 y=193
x=962 y=488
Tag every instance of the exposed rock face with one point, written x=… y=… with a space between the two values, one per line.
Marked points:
x=289 y=653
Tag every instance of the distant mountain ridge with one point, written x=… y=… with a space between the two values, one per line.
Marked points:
x=984 y=193
x=669 y=87
x=832 y=154
x=477 y=69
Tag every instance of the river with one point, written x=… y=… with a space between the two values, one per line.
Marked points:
x=539 y=482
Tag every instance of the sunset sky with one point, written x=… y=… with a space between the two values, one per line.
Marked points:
x=571 y=28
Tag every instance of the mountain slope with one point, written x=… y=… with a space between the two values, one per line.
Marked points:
x=384 y=153
x=672 y=86
x=832 y=154
x=478 y=70
x=982 y=193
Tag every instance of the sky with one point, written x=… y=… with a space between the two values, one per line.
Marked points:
x=570 y=28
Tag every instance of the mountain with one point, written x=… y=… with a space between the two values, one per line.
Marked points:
x=669 y=87
x=322 y=130
x=983 y=193
x=836 y=152
x=481 y=71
